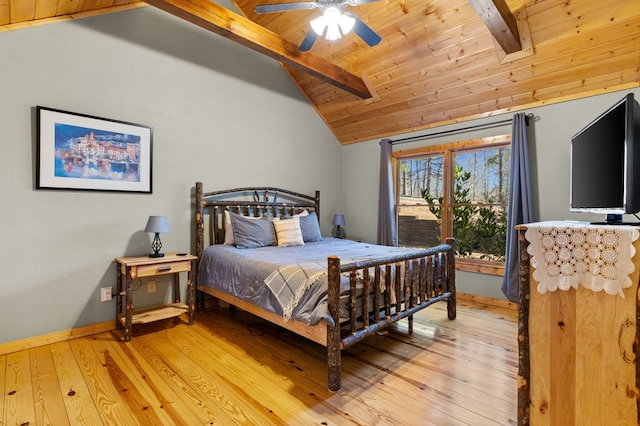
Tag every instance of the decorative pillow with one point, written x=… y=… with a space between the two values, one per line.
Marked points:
x=228 y=227
x=288 y=232
x=310 y=227
x=252 y=232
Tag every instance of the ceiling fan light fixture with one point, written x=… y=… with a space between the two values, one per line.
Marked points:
x=346 y=23
x=332 y=16
x=318 y=25
x=332 y=19
x=333 y=32
x=332 y=23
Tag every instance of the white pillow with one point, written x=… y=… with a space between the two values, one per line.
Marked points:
x=288 y=232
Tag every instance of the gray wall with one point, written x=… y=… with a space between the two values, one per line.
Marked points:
x=220 y=113
x=549 y=139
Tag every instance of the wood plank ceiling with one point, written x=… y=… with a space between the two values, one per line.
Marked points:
x=437 y=63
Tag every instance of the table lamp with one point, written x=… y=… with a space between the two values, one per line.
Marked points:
x=157 y=224
x=338 y=223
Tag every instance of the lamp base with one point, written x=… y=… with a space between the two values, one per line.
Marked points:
x=156 y=254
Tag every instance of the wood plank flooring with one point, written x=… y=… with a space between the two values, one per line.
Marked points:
x=233 y=368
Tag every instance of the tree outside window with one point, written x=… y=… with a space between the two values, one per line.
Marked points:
x=458 y=190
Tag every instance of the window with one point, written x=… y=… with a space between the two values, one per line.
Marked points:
x=458 y=190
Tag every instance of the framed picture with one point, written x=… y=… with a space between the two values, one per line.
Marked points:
x=82 y=152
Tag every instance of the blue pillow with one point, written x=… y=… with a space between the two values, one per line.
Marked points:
x=252 y=233
x=310 y=228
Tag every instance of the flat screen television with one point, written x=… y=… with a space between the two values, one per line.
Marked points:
x=605 y=163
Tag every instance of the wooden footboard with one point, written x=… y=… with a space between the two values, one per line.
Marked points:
x=391 y=290
x=417 y=281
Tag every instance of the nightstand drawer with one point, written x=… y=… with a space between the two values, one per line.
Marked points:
x=141 y=271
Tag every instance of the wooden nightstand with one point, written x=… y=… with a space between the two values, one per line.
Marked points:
x=129 y=268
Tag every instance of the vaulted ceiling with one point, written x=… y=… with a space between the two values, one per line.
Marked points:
x=439 y=61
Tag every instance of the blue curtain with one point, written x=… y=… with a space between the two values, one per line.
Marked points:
x=386 y=217
x=519 y=208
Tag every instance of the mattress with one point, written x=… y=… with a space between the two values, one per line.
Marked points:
x=250 y=274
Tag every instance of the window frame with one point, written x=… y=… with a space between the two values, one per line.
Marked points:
x=447 y=150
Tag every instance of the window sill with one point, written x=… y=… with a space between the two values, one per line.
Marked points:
x=480 y=266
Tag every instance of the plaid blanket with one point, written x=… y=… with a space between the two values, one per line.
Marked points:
x=289 y=283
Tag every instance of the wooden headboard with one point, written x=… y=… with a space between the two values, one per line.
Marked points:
x=251 y=201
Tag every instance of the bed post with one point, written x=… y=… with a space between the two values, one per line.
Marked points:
x=333 y=330
x=451 y=279
x=199 y=243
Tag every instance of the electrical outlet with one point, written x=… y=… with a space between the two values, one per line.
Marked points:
x=105 y=294
x=151 y=287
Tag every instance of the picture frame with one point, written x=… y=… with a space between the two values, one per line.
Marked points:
x=83 y=152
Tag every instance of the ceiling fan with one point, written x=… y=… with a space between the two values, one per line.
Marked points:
x=333 y=23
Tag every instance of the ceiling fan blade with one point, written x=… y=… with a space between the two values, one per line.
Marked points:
x=364 y=31
x=308 y=41
x=284 y=7
x=359 y=2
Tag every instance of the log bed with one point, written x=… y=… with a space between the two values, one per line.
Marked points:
x=418 y=280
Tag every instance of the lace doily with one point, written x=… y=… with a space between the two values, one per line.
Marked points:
x=566 y=254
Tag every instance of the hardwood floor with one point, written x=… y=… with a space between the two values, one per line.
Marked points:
x=237 y=369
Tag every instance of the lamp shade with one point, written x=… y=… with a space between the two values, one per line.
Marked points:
x=157 y=224
x=339 y=220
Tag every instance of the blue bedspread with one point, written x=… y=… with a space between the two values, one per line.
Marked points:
x=290 y=281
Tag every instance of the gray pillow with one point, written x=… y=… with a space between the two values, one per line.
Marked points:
x=252 y=233
x=310 y=228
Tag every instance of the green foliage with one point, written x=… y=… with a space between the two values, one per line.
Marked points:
x=479 y=231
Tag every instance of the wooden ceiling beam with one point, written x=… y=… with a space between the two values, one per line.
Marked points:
x=221 y=21
x=498 y=18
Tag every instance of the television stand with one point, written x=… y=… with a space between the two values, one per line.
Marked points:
x=616 y=223
x=615 y=219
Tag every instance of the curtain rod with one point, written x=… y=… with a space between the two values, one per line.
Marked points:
x=527 y=118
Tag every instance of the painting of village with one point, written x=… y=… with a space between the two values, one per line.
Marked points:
x=86 y=153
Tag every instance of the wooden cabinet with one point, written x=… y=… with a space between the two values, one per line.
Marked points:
x=577 y=352
x=134 y=267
